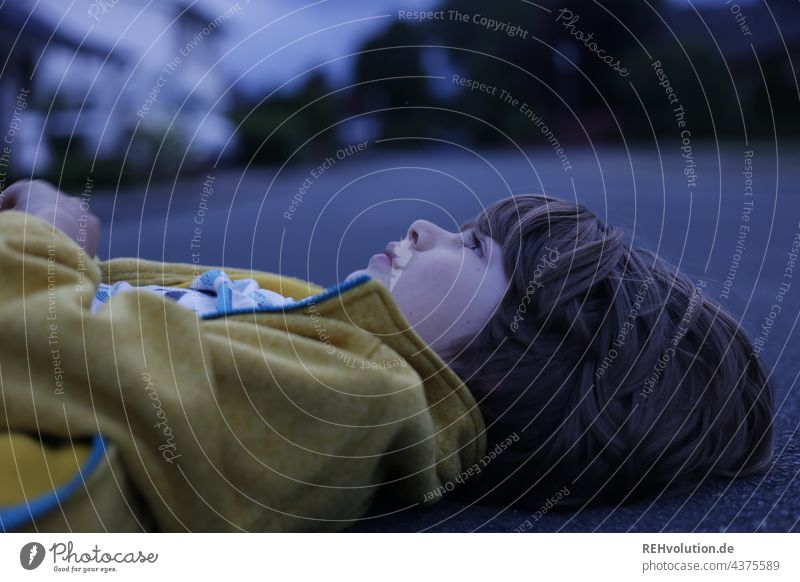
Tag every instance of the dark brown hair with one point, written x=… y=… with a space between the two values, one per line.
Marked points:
x=604 y=371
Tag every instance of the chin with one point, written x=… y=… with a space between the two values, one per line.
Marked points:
x=381 y=278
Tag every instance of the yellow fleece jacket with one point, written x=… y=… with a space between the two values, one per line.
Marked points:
x=145 y=417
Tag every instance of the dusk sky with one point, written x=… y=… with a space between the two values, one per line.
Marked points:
x=334 y=28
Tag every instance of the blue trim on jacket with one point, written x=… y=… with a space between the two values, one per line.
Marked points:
x=13 y=516
x=310 y=300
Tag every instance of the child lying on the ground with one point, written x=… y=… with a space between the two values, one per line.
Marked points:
x=595 y=372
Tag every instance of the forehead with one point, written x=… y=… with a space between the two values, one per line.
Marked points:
x=480 y=222
x=471 y=223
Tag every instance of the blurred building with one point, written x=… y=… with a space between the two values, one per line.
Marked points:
x=123 y=78
x=28 y=40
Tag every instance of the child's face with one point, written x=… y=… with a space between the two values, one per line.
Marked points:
x=445 y=284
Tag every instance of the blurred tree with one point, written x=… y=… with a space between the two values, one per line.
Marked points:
x=774 y=100
x=276 y=128
x=390 y=76
x=548 y=66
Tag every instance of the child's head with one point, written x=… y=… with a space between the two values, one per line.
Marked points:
x=608 y=371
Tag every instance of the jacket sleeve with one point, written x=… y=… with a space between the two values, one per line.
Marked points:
x=248 y=423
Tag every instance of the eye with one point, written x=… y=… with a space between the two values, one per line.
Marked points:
x=476 y=243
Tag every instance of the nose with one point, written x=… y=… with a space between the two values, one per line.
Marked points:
x=422 y=234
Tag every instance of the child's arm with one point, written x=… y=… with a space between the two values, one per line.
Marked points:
x=40 y=199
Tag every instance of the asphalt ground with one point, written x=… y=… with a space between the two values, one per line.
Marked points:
x=323 y=225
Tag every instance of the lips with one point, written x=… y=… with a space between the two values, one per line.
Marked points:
x=389 y=251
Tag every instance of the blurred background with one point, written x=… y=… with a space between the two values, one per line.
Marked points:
x=300 y=137
x=261 y=82
x=244 y=119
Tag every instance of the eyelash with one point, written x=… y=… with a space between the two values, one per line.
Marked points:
x=475 y=242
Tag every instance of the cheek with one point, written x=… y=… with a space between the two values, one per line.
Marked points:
x=477 y=292
x=438 y=276
x=426 y=284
